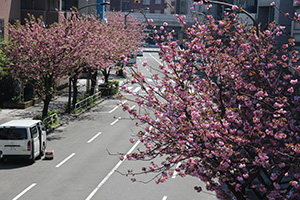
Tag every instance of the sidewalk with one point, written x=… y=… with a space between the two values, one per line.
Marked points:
x=59 y=103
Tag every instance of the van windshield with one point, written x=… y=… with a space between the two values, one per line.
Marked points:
x=13 y=134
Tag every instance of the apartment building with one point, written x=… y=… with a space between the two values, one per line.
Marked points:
x=10 y=10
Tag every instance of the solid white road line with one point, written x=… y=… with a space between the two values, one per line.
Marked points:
x=164 y=198
x=24 y=191
x=175 y=172
x=65 y=160
x=94 y=137
x=156 y=60
x=111 y=172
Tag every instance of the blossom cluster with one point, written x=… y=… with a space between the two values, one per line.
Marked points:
x=227 y=111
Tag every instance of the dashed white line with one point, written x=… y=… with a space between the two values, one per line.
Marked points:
x=111 y=172
x=113 y=109
x=24 y=191
x=132 y=107
x=94 y=137
x=136 y=89
x=114 y=122
x=117 y=107
x=164 y=198
x=175 y=172
x=65 y=160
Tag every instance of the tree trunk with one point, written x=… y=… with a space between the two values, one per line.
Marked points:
x=105 y=74
x=70 y=96
x=75 y=90
x=46 y=105
x=88 y=82
x=93 y=82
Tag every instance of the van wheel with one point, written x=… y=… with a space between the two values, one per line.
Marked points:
x=32 y=159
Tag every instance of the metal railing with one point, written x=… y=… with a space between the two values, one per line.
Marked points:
x=87 y=102
x=49 y=121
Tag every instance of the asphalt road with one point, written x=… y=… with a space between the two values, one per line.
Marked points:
x=86 y=162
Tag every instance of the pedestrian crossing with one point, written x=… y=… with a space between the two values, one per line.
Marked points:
x=137 y=89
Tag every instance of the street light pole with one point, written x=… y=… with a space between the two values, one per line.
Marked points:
x=125 y=17
x=131 y=11
x=94 y=4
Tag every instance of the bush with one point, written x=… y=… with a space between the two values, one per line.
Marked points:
x=110 y=88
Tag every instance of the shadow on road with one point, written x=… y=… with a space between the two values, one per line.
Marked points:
x=13 y=163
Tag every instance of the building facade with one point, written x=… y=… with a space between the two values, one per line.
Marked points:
x=155 y=6
x=10 y=10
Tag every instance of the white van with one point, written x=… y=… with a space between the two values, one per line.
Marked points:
x=23 y=138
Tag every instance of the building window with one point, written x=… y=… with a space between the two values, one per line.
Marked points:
x=157 y=1
x=157 y=11
x=146 y=2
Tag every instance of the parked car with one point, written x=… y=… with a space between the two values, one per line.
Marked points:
x=132 y=60
x=139 y=52
x=23 y=138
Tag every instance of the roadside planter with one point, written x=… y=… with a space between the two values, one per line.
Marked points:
x=21 y=105
x=110 y=88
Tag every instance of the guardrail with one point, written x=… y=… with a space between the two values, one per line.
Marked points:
x=49 y=121
x=87 y=102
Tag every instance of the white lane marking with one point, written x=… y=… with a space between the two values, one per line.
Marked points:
x=117 y=107
x=65 y=160
x=113 y=109
x=94 y=137
x=164 y=198
x=156 y=60
x=24 y=191
x=136 y=89
x=175 y=172
x=114 y=122
x=132 y=107
x=111 y=172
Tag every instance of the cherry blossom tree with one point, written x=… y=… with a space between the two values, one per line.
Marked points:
x=43 y=55
x=37 y=54
x=80 y=31
x=227 y=113
x=116 y=42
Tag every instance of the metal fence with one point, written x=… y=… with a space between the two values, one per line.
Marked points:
x=49 y=121
x=87 y=102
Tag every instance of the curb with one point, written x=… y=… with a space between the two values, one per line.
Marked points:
x=78 y=114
